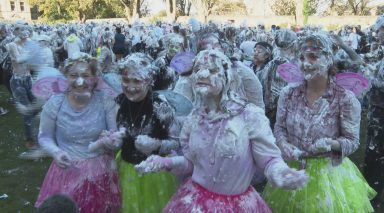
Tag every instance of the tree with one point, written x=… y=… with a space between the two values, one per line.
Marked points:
x=52 y=10
x=288 y=7
x=81 y=10
x=225 y=7
x=358 y=7
x=284 y=7
x=183 y=7
x=205 y=7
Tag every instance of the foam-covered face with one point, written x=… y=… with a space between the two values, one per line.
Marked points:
x=22 y=33
x=173 y=49
x=210 y=43
x=208 y=79
x=260 y=54
x=380 y=35
x=314 y=63
x=80 y=79
x=135 y=87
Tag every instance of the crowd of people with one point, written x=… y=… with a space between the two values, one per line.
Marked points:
x=191 y=117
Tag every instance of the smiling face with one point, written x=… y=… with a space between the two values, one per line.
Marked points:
x=260 y=54
x=81 y=79
x=135 y=86
x=208 y=79
x=313 y=62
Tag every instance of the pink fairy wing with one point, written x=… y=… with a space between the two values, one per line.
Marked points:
x=106 y=88
x=48 y=86
x=354 y=82
x=183 y=62
x=290 y=72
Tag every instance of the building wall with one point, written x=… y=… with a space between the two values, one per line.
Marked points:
x=7 y=13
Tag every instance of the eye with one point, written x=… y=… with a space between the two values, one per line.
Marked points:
x=312 y=56
x=301 y=58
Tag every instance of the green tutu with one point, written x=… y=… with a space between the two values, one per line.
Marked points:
x=144 y=193
x=340 y=189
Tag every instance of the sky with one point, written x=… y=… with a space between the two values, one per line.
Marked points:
x=156 y=6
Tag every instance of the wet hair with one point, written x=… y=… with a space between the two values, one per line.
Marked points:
x=118 y=29
x=58 y=204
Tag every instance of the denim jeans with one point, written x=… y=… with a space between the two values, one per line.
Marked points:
x=22 y=92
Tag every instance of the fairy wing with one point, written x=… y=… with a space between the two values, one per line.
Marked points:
x=47 y=86
x=111 y=84
x=354 y=82
x=290 y=72
x=183 y=62
x=182 y=105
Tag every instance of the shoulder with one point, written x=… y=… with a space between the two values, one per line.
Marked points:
x=254 y=117
x=52 y=106
x=347 y=98
x=291 y=90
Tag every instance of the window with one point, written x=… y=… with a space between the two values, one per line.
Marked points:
x=12 y=6
x=21 y=6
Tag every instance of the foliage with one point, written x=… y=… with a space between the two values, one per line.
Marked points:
x=288 y=7
x=284 y=7
x=225 y=7
x=348 y=7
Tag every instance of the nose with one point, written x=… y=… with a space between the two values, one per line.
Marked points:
x=203 y=73
x=79 y=81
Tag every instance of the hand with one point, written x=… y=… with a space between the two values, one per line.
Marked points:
x=108 y=140
x=115 y=139
x=291 y=152
x=324 y=145
x=280 y=175
x=293 y=179
x=147 y=144
x=154 y=163
x=62 y=159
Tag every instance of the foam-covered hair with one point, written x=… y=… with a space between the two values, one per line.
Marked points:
x=378 y=23
x=81 y=57
x=173 y=38
x=285 y=38
x=108 y=36
x=232 y=85
x=139 y=62
x=321 y=39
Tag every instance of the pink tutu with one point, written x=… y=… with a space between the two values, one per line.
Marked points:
x=191 y=197
x=91 y=183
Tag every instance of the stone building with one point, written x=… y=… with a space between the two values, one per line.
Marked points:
x=13 y=10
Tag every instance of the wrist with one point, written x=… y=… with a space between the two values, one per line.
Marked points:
x=335 y=145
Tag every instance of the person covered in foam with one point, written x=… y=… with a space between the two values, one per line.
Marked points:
x=224 y=140
x=317 y=128
x=147 y=117
x=72 y=121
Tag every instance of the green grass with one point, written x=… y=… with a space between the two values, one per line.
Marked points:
x=19 y=179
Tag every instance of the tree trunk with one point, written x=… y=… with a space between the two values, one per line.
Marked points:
x=138 y=7
x=168 y=7
x=174 y=9
x=299 y=13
